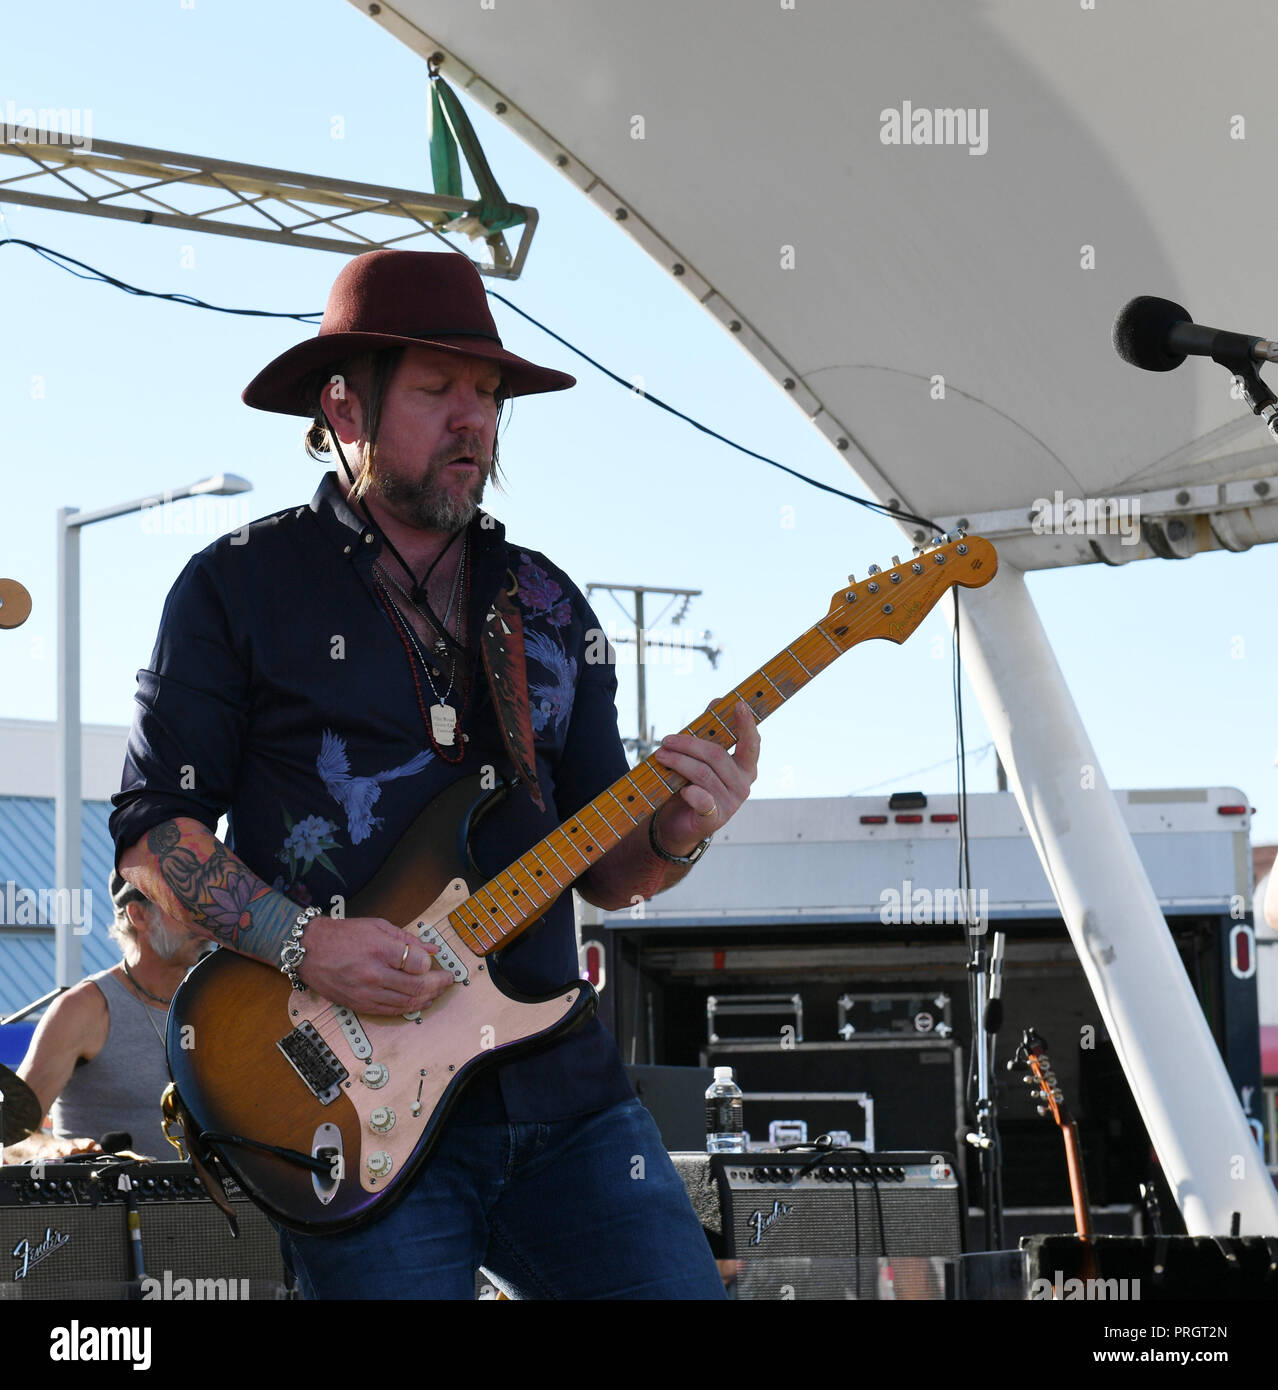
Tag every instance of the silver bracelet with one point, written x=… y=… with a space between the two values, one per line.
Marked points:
x=683 y=860
x=293 y=953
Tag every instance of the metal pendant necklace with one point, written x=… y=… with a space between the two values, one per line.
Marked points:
x=442 y=719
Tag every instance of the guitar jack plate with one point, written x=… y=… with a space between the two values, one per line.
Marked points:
x=327 y=1144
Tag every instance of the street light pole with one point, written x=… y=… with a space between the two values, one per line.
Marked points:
x=67 y=811
x=67 y=808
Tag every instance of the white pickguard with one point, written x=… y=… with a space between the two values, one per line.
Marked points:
x=424 y=1054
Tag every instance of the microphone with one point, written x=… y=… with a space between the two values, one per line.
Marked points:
x=1157 y=335
x=116 y=1139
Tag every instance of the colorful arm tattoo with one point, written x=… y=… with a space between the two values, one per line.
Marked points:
x=216 y=891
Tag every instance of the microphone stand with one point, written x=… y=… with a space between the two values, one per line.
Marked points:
x=35 y=1004
x=1260 y=399
x=985 y=990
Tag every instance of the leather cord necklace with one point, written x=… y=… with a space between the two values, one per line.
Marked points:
x=442 y=720
x=142 y=989
x=419 y=597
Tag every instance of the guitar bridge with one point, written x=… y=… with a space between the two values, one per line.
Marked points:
x=314 y=1061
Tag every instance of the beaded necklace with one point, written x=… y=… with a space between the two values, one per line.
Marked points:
x=441 y=721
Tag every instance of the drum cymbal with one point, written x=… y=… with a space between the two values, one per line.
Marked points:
x=15 y=603
x=22 y=1113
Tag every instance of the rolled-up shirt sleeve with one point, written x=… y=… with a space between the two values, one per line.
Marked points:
x=190 y=715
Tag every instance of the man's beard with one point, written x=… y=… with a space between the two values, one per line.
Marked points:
x=427 y=503
x=166 y=943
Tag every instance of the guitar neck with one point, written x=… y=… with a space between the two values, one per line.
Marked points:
x=509 y=903
x=889 y=605
x=1077 y=1178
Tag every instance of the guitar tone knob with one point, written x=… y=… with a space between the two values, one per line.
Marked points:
x=381 y=1120
x=376 y=1075
x=379 y=1163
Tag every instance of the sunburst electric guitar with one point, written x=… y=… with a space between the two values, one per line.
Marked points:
x=323 y=1115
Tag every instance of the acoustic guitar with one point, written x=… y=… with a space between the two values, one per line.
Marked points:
x=324 y=1115
x=1044 y=1088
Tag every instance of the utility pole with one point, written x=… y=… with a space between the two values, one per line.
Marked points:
x=645 y=743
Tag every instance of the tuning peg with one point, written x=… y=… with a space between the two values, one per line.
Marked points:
x=896 y=561
x=938 y=540
x=851 y=579
x=874 y=569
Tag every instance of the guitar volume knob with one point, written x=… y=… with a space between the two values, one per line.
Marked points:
x=379 y=1163
x=381 y=1120
x=376 y=1075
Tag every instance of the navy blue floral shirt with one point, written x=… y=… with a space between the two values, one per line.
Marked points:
x=280 y=694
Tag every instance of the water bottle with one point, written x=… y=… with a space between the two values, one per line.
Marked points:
x=724 y=1117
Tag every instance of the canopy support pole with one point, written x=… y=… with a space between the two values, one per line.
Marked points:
x=1142 y=991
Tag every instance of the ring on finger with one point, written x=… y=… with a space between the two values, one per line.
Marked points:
x=403 y=960
x=713 y=811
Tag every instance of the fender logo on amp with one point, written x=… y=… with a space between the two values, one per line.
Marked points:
x=30 y=1254
x=761 y=1223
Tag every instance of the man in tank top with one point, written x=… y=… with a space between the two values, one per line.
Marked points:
x=96 y=1061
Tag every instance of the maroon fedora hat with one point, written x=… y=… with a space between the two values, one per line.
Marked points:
x=387 y=299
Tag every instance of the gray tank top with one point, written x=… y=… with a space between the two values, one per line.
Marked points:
x=120 y=1088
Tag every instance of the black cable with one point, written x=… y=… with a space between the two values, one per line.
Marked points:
x=57 y=257
x=866 y=502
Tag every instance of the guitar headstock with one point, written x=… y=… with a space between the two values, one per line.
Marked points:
x=891 y=603
x=1032 y=1053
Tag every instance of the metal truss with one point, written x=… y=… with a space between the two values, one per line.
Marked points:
x=165 y=189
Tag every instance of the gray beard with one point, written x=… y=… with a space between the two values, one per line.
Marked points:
x=425 y=504
x=165 y=943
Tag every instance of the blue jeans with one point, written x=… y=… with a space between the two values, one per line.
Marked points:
x=589 y=1207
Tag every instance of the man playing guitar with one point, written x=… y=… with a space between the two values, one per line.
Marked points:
x=324 y=675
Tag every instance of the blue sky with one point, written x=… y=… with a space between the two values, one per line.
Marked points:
x=108 y=397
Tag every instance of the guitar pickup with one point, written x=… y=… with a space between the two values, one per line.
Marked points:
x=446 y=960
x=314 y=1061
x=354 y=1032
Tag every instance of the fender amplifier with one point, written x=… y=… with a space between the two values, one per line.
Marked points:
x=829 y=1225
x=64 y=1234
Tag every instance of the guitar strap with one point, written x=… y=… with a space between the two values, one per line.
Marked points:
x=191 y=1148
x=502 y=645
